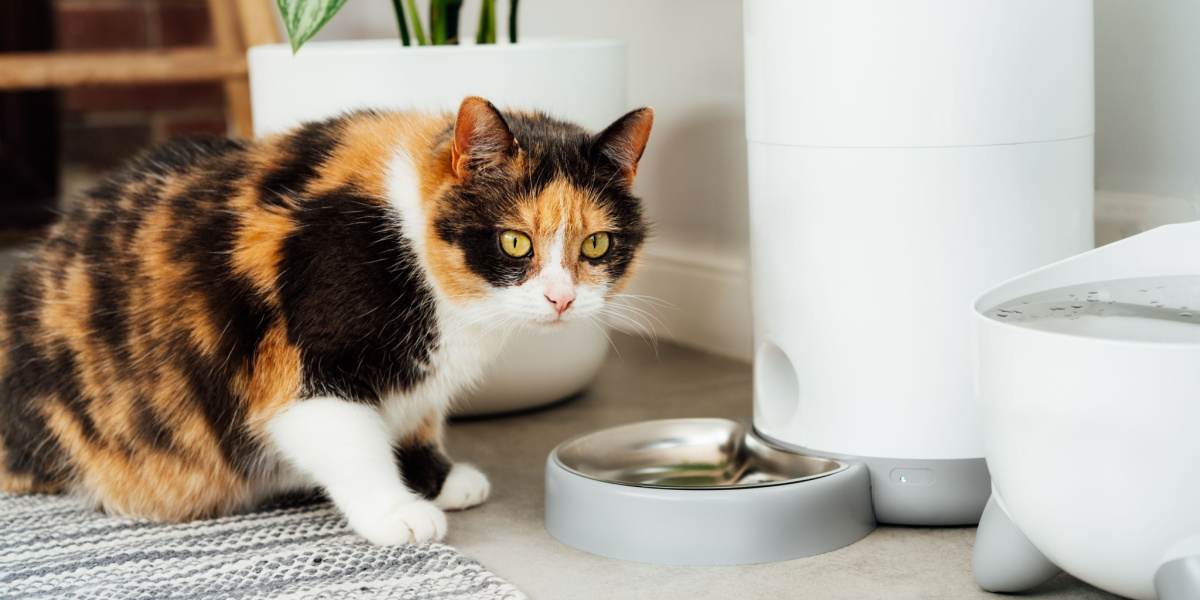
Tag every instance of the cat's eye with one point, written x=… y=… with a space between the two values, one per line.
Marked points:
x=596 y=245
x=516 y=244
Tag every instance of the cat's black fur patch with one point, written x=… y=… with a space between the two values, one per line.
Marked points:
x=30 y=449
x=363 y=315
x=306 y=149
x=151 y=428
x=110 y=311
x=424 y=468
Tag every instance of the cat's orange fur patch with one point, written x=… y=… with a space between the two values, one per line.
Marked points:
x=447 y=264
x=361 y=158
x=449 y=268
x=168 y=298
x=273 y=381
x=258 y=250
x=562 y=205
x=158 y=485
x=428 y=433
x=67 y=306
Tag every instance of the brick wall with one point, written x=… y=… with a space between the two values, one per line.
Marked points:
x=103 y=125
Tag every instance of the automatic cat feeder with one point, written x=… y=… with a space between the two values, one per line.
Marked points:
x=902 y=158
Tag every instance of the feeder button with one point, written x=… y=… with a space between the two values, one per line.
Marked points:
x=913 y=476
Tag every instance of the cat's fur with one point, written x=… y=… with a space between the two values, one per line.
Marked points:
x=227 y=320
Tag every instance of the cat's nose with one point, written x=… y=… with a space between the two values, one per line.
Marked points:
x=561 y=300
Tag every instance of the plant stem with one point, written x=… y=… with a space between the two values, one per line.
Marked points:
x=418 y=31
x=487 y=23
x=401 y=22
x=443 y=21
x=453 y=7
x=512 y=21
x=437 y=22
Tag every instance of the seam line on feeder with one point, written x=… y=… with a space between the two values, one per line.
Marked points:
x=919 y=147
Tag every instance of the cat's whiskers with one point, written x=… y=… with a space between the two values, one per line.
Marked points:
x=627 y=304
x=652 y=300
x=622 y=315
x=641 y=329
x=594 y=321
x=651 y=325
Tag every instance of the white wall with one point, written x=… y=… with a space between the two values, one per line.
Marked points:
x=1147 y=114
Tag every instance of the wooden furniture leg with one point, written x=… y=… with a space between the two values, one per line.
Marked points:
x=228 y=40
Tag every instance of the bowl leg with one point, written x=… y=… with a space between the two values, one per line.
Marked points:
x=1005 y=560
x=1178 y=579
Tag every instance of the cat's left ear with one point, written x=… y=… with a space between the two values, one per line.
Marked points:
x=624 y=141
x=482 y=138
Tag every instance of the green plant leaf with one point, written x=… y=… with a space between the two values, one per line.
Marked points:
x=401 y=22
x=417 y=30
x=443 y=21
x=453 y=9
x=437 y=23
x=304 y=18
x=486 y=33
x=512 y=21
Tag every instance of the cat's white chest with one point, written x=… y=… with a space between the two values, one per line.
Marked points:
x=465 y=346
x=453 y=367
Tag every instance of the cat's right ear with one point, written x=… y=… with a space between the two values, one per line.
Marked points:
x=481 y=138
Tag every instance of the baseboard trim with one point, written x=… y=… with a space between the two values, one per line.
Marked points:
x=1122 y=214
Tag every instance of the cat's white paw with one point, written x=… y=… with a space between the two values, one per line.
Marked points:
x=465 y=487
x=406 y=522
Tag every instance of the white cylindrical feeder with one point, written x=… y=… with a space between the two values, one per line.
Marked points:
x=904 y=157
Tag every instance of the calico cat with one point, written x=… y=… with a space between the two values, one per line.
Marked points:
x=224 y=321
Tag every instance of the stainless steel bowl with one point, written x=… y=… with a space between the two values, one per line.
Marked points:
x=687 y=454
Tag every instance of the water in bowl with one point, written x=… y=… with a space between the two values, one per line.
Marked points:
x=1148 y=309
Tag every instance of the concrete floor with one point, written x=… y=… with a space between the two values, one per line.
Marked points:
x=507 y=535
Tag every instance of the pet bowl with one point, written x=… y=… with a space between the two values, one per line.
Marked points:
x=701 y=492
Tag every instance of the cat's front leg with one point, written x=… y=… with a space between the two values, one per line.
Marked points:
x=346 y=448
x=428 y=471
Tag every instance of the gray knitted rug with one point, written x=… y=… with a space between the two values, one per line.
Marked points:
x=53 y=547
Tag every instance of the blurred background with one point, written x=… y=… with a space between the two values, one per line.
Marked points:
x=684 y=59
x=50 y=140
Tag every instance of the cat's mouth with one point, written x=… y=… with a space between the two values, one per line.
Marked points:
x=551 y=321
x=555 y=321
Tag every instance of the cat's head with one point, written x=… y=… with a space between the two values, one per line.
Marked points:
x=537 y=222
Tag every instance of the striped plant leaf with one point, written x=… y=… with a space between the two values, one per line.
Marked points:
x=512 y=21
x=486 y=34
x=304 y=18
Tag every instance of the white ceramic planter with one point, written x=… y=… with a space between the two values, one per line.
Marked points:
x=579 y=80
